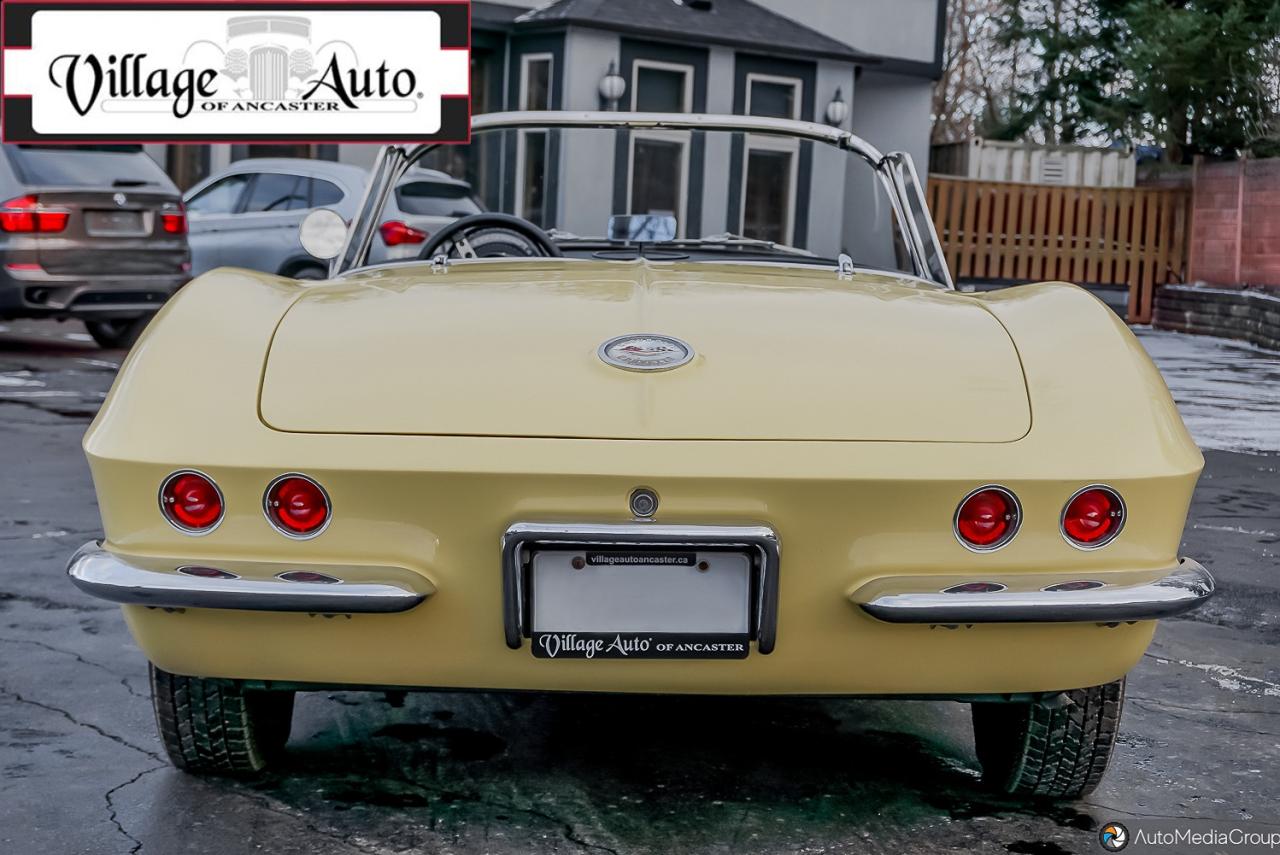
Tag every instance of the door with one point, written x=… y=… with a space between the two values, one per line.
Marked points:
x=211 y=211
x=264 y=234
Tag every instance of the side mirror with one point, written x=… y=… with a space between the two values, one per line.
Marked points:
x=323 y=233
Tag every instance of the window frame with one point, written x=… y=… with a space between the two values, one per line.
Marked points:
x=526 y=60
x=763 y=142
x=239 y=199
x=243 y=207
x=313 y=181
x=682 y=138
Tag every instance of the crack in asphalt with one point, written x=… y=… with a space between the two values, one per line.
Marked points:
x=1185 y=708
x=1180 y=817
x=568 y=830
x=1191 y=718
x=113 y=815
x=124 y=681
x=61 y=412
x=268 y=804
x=50 y=535
x=78 y=723
x=47 y=603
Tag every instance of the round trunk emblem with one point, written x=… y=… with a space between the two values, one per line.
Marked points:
x=645 y=352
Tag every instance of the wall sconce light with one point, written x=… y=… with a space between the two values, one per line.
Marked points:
x=612 y=87
x=837 y=110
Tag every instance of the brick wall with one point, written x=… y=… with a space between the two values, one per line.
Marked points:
x=1235 y=237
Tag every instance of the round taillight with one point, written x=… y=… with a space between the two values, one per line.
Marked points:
x=191 y=502
x=1093 y=517
x=987 y=518
x=297 y=506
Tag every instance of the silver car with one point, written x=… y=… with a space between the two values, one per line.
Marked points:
x=424 y=201
x=248 y=214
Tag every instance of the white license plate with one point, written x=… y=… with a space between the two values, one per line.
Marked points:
x=624 y=603
x=114 y=223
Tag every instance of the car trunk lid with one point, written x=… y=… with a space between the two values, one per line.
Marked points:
x=511 y=350
x=110 y=233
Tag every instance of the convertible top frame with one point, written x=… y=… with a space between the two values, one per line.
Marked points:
x=895 y=170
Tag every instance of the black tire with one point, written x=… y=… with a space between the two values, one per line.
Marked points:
x=119 y=332
x=215 y=727
x=310 y=272
x=1058 y=753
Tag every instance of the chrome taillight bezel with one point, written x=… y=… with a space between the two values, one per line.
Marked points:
x=177 y=524
x=1015 y=524
x=285 y=530
x=1109 y=536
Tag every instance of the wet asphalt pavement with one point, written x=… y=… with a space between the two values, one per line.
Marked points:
x=83 y=771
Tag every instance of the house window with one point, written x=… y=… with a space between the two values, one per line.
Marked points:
x=659 y=160
x=467 y=161
x=769 y=179
x=531 y=157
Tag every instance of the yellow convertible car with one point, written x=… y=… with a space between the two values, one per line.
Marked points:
x=560 y=450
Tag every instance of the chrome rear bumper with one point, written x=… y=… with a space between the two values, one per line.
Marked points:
x=1185 y=587
x=107 y=576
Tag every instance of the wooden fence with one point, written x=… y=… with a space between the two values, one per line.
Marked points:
x=1087 y=235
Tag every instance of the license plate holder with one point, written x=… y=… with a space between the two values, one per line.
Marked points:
x=114 y=223
x=522 y=540
x=622 y=602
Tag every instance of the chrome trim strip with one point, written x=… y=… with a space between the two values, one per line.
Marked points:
x=107 y=576
x=521 y=536
x=1187 y=586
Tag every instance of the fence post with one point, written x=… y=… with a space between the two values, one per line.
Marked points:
x=1239 y=218
x=1196 y=161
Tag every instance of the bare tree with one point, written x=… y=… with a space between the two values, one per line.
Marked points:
x=978 y=71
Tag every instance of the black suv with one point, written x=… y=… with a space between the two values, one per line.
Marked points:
x=93 y=232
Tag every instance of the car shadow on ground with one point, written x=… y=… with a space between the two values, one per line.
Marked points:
x=752 y=773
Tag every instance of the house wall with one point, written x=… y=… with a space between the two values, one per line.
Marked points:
x=586 y=157
x=588 y=160
x=902 y=30
x=715 y=192
x=892 y=112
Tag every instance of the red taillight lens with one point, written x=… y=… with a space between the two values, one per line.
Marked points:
x=24 y=214
x=1093 y=516
x=987 y=518
x=191 y=501
x=395 y=233
x=174 y=222
x=297 y=506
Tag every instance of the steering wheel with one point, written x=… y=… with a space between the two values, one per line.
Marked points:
x=491 y=235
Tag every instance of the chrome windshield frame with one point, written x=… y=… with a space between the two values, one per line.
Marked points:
x=394 y=160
